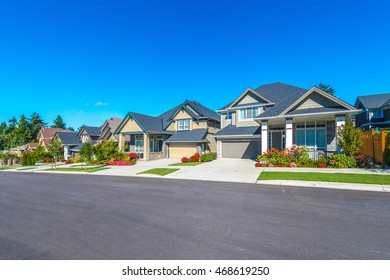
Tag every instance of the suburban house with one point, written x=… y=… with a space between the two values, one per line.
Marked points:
x=181 y=131
x=278 y=116
x=375 y=111
x=31 y=146
x=87 y=134
x=69 y=140
x=108 y=128
x=46 y=134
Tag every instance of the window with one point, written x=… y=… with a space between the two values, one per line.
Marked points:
x=84 y=138
x=229 y=115
x=249 y=113
x=139 y=143
x=376 y=114
x=183 y=125
x=156 y=143
x=312 y=135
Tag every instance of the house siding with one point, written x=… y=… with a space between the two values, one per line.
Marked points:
x=331 y=143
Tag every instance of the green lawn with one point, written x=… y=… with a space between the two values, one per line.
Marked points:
x=7 y=167
x=326 y=177
x=72 y=169
x=186 y=163
x=26 y=168
x=159 y=171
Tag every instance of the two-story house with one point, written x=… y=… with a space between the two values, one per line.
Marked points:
x=108 y=128
x=375 y=111
x=181 y=131
x=87 y=134
x=277 y=116
x=46 y=134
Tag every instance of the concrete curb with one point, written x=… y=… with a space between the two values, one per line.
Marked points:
x=327 y=185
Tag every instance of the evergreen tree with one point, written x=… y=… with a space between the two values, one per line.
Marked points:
x=3 y=139
x=22 y=134
x=327 y=88
x=36 y=123
x=59 y=123
x=349 y=138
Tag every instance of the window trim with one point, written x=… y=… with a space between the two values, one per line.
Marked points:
x=181 y=124
x=241 y=111
x=315 y=128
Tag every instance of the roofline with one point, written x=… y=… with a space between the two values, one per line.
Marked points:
x=323 y=93
x=245 y=92
x=241 y=135
x=129 y=114
x=311 y=114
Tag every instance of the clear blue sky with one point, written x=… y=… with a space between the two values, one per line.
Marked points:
x=90 y=60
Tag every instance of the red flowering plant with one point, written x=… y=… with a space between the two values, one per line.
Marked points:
x=184 y=159
x=288 y=157
x=195 y=157
x=133 y=155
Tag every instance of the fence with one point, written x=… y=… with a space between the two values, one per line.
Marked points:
x=315 y=155
x=374 y=145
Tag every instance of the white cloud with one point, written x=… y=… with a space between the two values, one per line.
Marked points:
x=99 y=103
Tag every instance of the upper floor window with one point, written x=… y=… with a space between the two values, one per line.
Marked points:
x=229 y=115
x=249 y=113
x=84 y=138
x=376 y=114
x=183 y=125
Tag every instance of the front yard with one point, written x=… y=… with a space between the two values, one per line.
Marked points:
x=159 y=171
x=327 y=177
x=79 y=169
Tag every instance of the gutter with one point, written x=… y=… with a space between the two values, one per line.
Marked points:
x=308 y=115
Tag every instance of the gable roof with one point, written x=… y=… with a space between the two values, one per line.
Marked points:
x=162 y=121
x=113 y=124
x=374 y=101
x=68 y=138
x=91 y=130
x=49 y=132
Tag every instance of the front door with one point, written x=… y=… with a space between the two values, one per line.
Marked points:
x=276 y=140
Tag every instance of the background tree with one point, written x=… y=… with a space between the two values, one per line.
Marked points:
x=70 y=128
x=3 y=140
x=59 y=123
x=35 y=124
x=86 y=153
x=327 y=88
x=55 y=151
x=39 y=153
x=349 y=138
x=22 y=134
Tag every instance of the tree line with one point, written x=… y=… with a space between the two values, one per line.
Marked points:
x=20 y=132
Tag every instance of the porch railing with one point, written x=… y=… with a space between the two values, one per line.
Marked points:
x=315 y=155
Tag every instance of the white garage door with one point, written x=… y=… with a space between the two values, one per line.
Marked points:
x=181 y=150
x=241 y=149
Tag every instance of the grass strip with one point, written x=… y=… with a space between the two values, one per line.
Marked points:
x=70 y=169
x=327 y=177
x=159 y=171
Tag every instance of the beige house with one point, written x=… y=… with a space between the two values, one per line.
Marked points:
x=278 y=116
x=46 y=134
x=182 y=131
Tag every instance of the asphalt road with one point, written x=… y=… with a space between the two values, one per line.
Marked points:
x=55 y=216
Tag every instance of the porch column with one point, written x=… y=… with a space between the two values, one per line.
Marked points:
x=340 y=120
x=146 y=146
x=121 y=142
x=289 y=133
x=264 y=136
x=219 y=149
x=66 y=152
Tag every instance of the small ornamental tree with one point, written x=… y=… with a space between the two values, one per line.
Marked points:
x=349 y=138
x=86 y=153
x=55 y=150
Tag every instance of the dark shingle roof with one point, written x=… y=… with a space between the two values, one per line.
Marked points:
x=204 y=111
x=374 y=101
x=276 y=92
x=92 y=130
x=280 y=106
x=69 y=138
x=232 y=130
x=195 y=135
x=148 y=123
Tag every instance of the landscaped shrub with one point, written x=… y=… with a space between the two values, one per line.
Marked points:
x=184 y=159
x=341 y=161
x=133 y=155
x=195 y=157
x=28 y=159
x=208 y=157
x=47 y=160
x=321 y=165
x=364 y=161
x=69 y=161
x=296 y=155
x=258 y=164
x=292 y=165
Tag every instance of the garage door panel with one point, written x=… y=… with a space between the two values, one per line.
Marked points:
x=241 y=149
x=181 y=150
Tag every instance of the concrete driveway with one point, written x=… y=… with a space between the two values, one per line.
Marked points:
x=223 y=170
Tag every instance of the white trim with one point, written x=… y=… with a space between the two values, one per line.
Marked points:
x=309 y=115
x=240 y=136
x=321 y=92
x=244 y=93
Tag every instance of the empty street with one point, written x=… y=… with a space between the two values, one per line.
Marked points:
x=61 y=216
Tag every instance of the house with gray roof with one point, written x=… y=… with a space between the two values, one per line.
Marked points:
x=278 y=116
x=375 y=111
x=181 y=131
x=69 y=140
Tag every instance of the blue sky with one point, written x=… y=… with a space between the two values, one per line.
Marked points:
x=90 y=60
